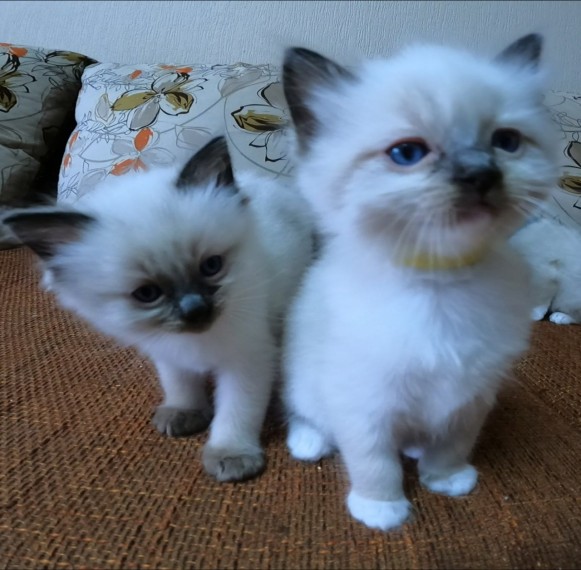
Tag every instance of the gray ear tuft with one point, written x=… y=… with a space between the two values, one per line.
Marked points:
x=524 y=52
x=44 y=231
x=303 y=71
x=210 y=165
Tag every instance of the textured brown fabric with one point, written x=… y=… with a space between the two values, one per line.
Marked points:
x=86 y=482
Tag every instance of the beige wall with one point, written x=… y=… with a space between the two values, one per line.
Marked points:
x=256 y=32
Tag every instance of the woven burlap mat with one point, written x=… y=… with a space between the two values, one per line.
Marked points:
x=86 y=482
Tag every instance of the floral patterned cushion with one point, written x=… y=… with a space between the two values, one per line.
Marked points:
x=38 y=91
x=565 y=109
x=135 y=117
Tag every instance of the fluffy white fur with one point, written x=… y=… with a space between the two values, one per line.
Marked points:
x=145 y=227
x=553 y=252
x=382 y=358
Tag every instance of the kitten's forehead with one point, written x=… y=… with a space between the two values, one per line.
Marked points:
x=171 y=260
x=448 y=86
x=437 y=91
x=171 y=252
x=158 y=232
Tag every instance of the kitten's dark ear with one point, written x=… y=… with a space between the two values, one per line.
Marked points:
x=210 y=165
x=525 y=52
x=44 y=231
x=303 y=72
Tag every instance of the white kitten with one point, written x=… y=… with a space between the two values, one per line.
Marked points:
x=194 y=270
x=418 y=168
x=553 y=252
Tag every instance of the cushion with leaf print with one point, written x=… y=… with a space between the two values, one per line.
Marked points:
x=38 y=92
x=565 y=109
x=136 y=117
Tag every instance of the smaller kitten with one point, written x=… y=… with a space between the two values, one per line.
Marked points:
x=194 y=269
x=553 y=252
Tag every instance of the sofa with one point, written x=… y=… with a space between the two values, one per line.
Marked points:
x=87 y=483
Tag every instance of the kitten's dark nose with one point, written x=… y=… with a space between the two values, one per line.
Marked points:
x=477 y=180
x=194 y=308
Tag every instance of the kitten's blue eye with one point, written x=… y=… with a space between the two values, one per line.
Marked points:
x=147 y=293
x=506 y=139
x=211 y=266
x=408 y=153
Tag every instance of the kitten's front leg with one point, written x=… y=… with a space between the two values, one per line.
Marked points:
x=538 y=313
x=185 y=409
x=376 y=498
x=444 y=466
x=233 y=451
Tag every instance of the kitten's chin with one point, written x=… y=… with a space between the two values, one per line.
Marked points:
x=454 y=244
x=479 y=215
x=461 y=231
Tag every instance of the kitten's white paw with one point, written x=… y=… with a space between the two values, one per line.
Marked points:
x=459 y=483
x=561 y=318
x=538 y=313
x=307 y=443
x=383 y=515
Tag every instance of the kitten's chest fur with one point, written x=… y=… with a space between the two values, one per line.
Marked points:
x=201 y=353
x=429 y=345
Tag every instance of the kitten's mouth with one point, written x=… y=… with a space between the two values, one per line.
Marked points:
x=474 y=214
x=478 y=204
x=476 y=211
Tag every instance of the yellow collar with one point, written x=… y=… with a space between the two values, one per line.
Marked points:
x=434 y=263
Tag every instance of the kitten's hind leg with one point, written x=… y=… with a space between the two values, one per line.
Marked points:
x=545 y=288
x=306 y=442
x=444 y=466
x=186 y=409
x=560 y=318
